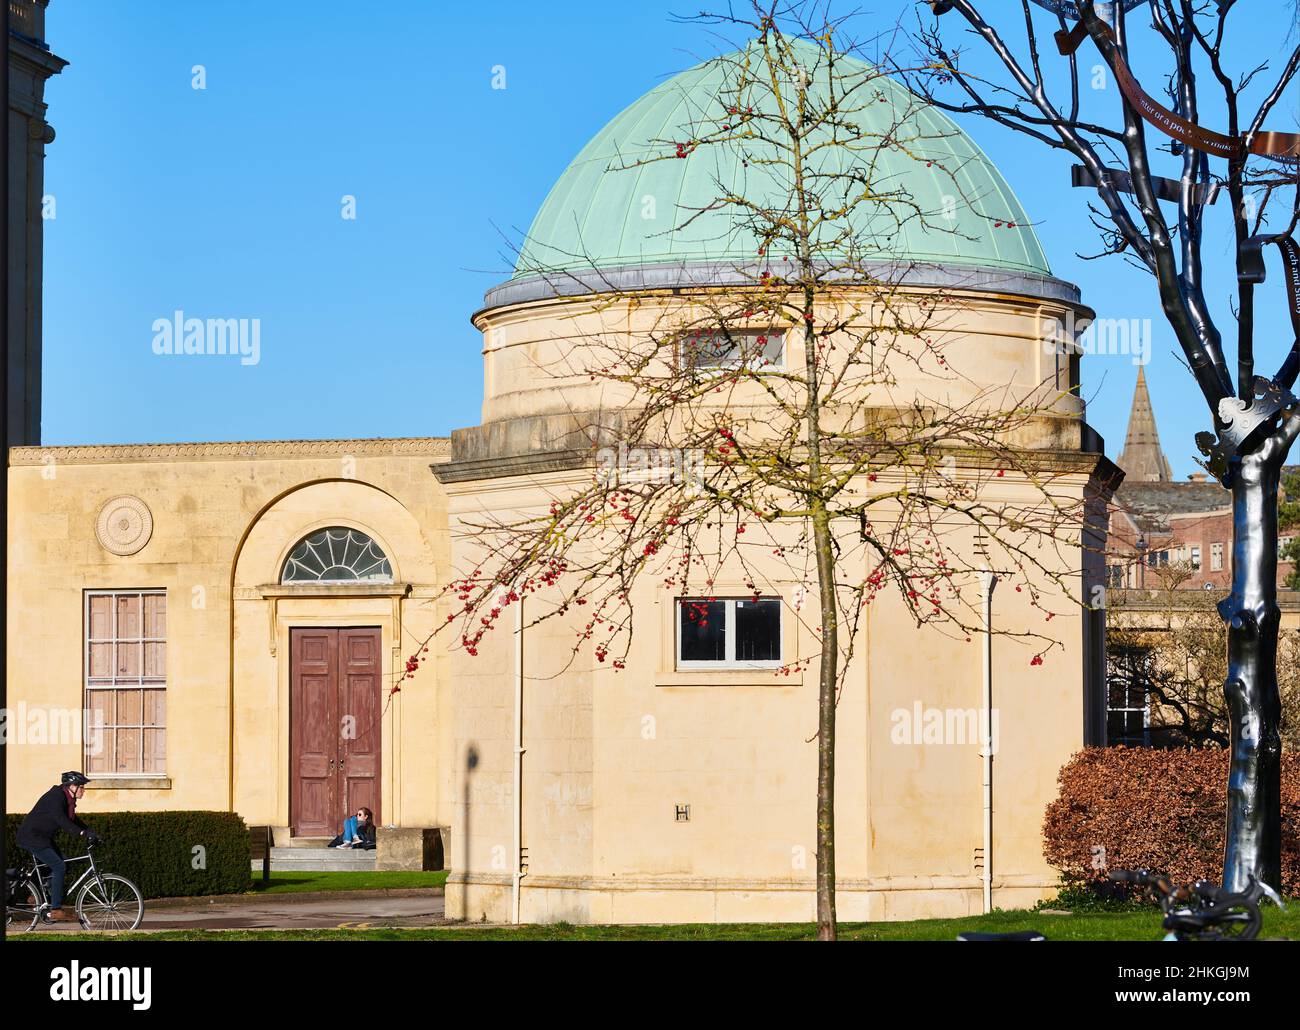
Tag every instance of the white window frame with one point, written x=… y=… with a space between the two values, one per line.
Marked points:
x=1196 y=559
x=123 y=683
x=729 y=636
x=1216 y=557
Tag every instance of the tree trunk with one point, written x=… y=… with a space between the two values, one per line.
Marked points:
x=1253 y=846
x=826 y=930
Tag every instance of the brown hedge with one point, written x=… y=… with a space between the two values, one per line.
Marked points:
x=1157 y=809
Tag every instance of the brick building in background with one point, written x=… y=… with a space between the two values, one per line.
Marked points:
x=1164 y=531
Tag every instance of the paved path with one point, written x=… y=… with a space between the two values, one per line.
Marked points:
x=341 y=910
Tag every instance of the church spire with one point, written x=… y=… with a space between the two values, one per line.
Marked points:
x=1142 y=459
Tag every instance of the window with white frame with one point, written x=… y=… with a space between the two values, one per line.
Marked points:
x=734 y=348
x=1196 y=558
x=126 y=682
x=728 y=633
x=1216 y=557
x=1128 y=670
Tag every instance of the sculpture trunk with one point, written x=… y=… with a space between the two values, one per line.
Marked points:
x=1253 y=845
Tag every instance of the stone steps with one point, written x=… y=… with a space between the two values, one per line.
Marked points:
x=319 y=860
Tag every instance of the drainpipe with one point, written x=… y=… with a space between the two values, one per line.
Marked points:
x=987 y=582
x=519 y=760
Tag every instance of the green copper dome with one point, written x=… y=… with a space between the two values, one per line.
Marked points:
x=602 y=214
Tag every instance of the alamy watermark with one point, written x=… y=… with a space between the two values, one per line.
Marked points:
x=39 y=725
x=1130 y=337
x=674 y=465
x=921 y=726
x=192 y=336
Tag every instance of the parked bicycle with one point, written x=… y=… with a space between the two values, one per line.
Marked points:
x=1203 y=911
x=105 y=901
x=1199 y=912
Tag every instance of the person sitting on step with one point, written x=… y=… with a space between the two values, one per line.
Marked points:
x=358 y=831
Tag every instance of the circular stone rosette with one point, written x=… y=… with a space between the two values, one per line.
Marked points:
x=124 y=525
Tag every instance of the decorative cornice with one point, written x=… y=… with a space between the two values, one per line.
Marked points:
x=534 y=464
x=695 y=275
x=239 y=450
x=34 y=56
x=1054 y=461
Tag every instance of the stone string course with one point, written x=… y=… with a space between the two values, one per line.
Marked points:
x=241 y=450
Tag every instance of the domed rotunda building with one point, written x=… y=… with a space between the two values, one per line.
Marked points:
x=683 y=790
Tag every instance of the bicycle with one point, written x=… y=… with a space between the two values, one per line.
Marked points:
x=1202 y=911
x=1199 y=912
x=105 y=901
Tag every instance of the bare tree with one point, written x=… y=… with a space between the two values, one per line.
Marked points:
x=1255 y=421
x=767 y=427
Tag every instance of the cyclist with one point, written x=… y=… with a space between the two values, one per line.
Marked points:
x=56 y=810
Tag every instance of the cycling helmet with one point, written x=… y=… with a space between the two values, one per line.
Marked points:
x=76 y=779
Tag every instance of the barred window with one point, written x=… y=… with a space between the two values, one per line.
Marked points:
x=126 y=682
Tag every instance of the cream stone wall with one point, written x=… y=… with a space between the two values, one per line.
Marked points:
x=609 y=755
x=224 y=519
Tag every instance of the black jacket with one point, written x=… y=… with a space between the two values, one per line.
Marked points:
x=50 y=813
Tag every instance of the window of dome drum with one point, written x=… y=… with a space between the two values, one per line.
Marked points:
x=748 y=348
x=721 y=633
x=337 y=555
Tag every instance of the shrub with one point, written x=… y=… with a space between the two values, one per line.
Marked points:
x=157 y=850
x=1147 y=808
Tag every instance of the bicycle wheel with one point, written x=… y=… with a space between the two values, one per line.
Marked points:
x=28 y=898
x=1241 y=923
x=111 y=902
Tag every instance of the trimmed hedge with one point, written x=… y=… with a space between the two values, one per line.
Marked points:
x=1149 y=808
x=157 y=850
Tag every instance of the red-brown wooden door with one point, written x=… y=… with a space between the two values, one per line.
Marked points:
x=334 y=731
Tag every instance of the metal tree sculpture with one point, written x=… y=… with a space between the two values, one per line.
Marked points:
x=1255 y=421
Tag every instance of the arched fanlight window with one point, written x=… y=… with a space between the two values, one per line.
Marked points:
x=337 y=555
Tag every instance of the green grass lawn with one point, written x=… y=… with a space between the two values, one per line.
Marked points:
x=295 y=883
x=1092 y=926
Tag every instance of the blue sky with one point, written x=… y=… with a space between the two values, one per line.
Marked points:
x=225 y=202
